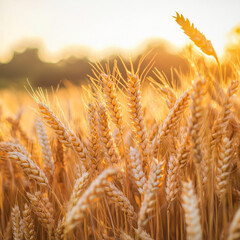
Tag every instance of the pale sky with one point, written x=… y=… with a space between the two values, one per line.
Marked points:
x=100 y=24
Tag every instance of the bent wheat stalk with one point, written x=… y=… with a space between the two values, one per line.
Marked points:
x=65 y=135
x=119 y=199
x=18 y=154
x=171 y=120
x=78 y=212
x=42 y=209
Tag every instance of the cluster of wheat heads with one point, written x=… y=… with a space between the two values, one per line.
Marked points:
x=130 y=166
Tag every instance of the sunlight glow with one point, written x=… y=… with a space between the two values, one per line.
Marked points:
x=103 y=24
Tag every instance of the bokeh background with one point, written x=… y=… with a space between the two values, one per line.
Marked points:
x=50 y=41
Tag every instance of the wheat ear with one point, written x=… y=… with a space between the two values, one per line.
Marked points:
x=93 y=146
x=124 y=236
x=171 y=97
x=171 y=120
x=197 y=37
x=136 y=114
x=112 y=101
x=23 y=135
x=221 y=123
x=117 y=197
x=114 y=108
x=18 y=154
x=192 y=216
x=184 y=152
x=42 y=208
x=172 y=180
x=137 y=171
x=79 y=188
x=65 y=135
x=223 y=167
x=59 y=232
x=28 y=224
x=205 y=168
x=156 y=177
x=12 y=147
x=16 y=224
x=153 y=131
x=78 y=212
x=46 y=150
x=111 y=151
x=196 y=121
x=142 y=234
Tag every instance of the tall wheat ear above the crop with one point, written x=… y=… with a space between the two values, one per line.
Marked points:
x=196 y=36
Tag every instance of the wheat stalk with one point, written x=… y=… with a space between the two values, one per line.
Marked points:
x=7 y=235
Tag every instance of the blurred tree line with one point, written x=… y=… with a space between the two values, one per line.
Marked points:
x=28 y=65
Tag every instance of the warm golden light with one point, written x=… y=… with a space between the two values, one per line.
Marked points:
x=103 y=24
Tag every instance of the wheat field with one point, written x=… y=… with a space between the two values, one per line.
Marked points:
x=132 y=157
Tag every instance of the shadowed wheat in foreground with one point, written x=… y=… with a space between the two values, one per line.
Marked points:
x=125 y=158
